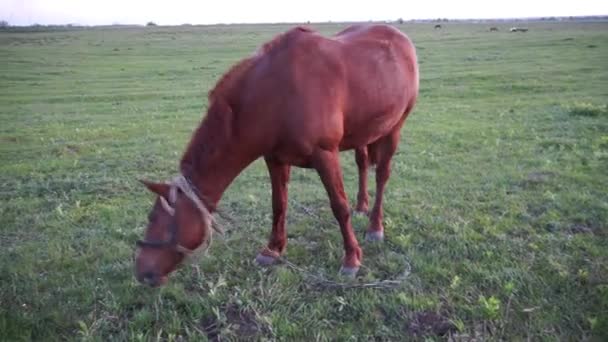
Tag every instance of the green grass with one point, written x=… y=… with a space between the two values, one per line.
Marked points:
x=498 y=199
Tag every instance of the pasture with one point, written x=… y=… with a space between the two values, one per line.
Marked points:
x=496 y=213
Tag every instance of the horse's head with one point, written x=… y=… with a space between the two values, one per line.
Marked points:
x=178 y=225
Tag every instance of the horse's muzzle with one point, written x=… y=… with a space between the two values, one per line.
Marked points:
x=152 y=279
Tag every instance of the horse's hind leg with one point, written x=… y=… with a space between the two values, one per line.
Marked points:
x=279 y=177
x=362 y=165
x=384 y=149
x=327 y=164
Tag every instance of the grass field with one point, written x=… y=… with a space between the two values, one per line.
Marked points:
x=497 y=205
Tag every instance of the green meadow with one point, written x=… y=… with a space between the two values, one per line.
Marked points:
x=496 y=211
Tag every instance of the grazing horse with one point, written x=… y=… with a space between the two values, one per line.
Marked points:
x=298 y=101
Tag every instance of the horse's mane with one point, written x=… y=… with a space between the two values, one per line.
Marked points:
x=216 y=126
x=228 y=81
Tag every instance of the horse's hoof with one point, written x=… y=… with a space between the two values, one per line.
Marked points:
x=349 y=272
x=265 y=260
x=374 y=236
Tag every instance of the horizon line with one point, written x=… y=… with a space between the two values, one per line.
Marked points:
x=532 y=18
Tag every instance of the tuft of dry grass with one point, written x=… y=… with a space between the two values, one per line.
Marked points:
x=588 y=109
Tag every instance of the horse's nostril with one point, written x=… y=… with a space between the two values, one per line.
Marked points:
x=150 y=278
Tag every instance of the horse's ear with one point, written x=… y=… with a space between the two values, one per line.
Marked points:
x=161 y=189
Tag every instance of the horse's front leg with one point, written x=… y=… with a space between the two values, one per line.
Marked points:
x=327 y=164
x=279 y=177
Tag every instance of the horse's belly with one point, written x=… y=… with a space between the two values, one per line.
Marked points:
x=368 y=129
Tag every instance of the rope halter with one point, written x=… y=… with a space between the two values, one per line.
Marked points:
x=182 y=184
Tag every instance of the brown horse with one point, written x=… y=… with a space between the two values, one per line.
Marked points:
x=299 y=100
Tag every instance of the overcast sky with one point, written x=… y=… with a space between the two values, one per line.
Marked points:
x=173 y=12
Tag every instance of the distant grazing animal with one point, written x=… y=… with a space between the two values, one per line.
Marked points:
x=518 y=29
x=493 y=29
x=437 y=26
x=299 y=100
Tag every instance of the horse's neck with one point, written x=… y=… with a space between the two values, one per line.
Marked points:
x=214 y=158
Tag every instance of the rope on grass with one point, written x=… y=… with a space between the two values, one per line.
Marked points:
x=324 y=283
x=321 y=282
